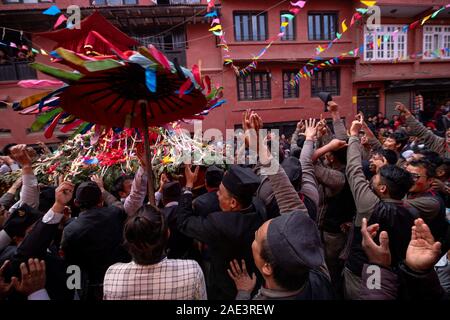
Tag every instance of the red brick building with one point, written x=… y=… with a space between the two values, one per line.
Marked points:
x=370 y=82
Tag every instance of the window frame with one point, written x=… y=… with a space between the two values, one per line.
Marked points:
x=392 y=46
x=287 y=83
x=22 y=2
x=321 y=14
x=107 y=4
x=324 y=87
x=253 y=85
x=441 y=35
x=294 y=27
x=249 y=15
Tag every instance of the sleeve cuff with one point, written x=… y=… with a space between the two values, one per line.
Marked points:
x=52 y=217
x=39 y=295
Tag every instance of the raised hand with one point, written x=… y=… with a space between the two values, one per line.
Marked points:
x=355 y=128
x=332 y=106
x=99 y=181
x=310 y=129
x=400 y=107
x=241 y=278
x=5 y=288
x=22 y=155
x=423 y=252
x=32 y=277
x=377 y=254
x=191 y=177
x=63 y=195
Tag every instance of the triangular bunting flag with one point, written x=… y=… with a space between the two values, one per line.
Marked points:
x=362 y=10
x=436 y=13
x=344 y=26
x=338 y=35
x=369 y=3
x=52 y=11
x=425 y=19
x=299 y=4
x=60 y=20
x=414 y=24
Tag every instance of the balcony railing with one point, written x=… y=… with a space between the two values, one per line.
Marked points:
x=169 y=2
x=16 y=71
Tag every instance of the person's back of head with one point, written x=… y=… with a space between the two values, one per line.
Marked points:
x=340 y=155
x=171 y=192
x=146 y=235
x=431 y=156
x=397 y=181
x=400 y=137
x=213 y=177
x=88 y=195
x=390 y=156
x=290 y=247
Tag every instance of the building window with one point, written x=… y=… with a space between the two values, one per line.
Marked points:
x=27 y=1
x=290 y=91
x=250 y=26
x=326 y=81
x=383 y=44
x=436 y=39
x=113 y=2
x=255 y=86
x=289 y=34
x=322 y=25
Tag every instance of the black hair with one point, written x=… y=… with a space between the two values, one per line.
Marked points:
x=287 y=279
x=391 y=156
x=445 y=166
x=400 y=138
x=118 y=185
x=213 y=179
x=431 y=156
x=146 y=236
x=296 y=153
x=397 y=180
x=7 y=149
x=340 y=155
x=427 y=165
x=244 y=200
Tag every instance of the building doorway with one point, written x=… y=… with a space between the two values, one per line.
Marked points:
x=368 y=102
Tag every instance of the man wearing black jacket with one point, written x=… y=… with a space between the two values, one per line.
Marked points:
x=228 y=233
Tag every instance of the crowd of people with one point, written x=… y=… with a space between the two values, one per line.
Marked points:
x=345 y=204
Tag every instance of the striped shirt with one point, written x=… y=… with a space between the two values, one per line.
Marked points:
x=169 y=279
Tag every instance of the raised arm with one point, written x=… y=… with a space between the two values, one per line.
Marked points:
x=29 y=193
x=309 y=183
x=332 y=180
x=136 y=198
x=365 y=198
x=285 y=193
x=338 y=124
x=415 y=128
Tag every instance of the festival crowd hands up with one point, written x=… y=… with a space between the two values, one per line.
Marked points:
x=374 y=215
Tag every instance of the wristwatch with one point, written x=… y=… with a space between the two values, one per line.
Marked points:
x=188 y=189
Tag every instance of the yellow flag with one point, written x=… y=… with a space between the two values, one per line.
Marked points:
x=369 y=3
x=216 y=28
x=284 y=24
x=379 y=42
x=425 y=19
x=344 y=26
